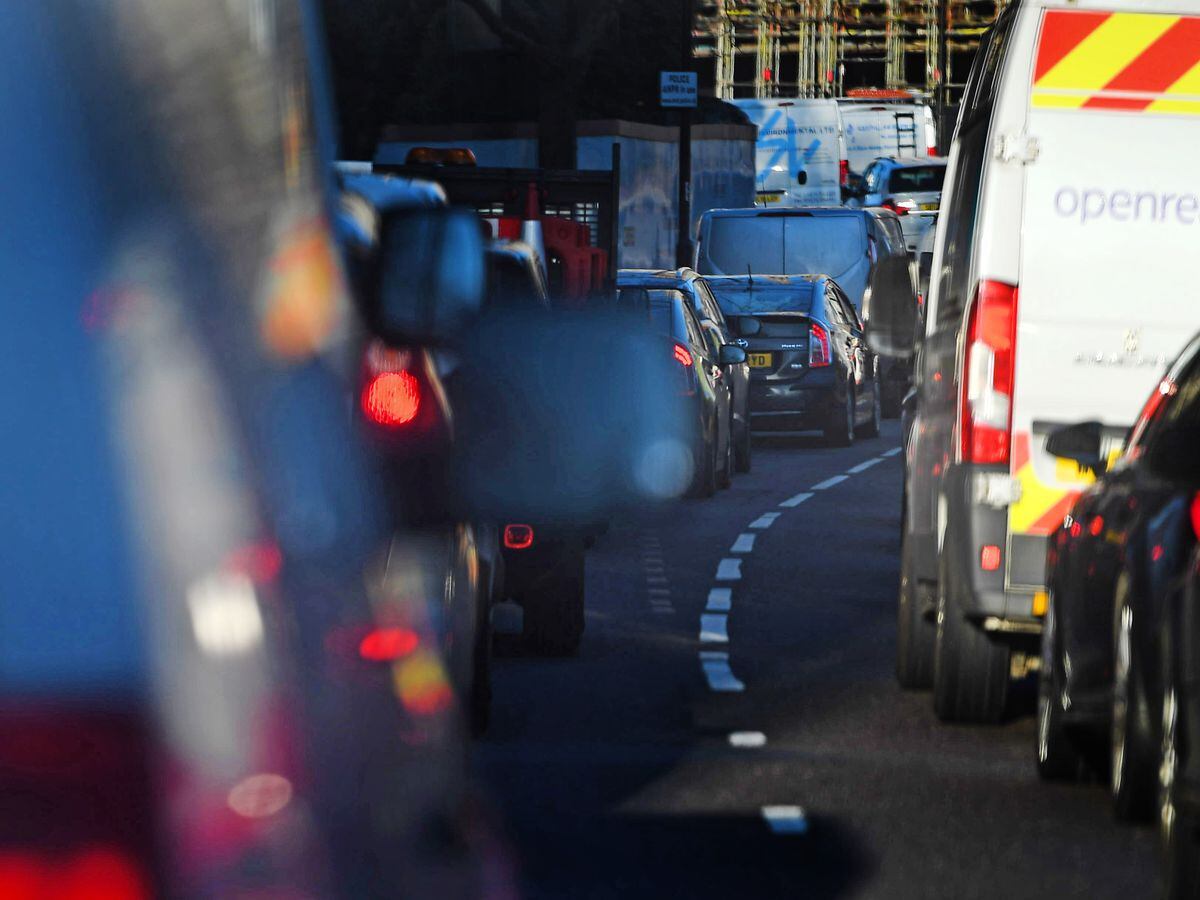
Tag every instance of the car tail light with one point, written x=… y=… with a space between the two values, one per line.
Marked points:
x=985 y=408
x=844 y=172
x=518 y=537
x=818 y=346
x=392 y=395
x=683 y=356
x=388 y=644
x=989 y=558
x=1196 y=515
x=89 y=873
x=899 y=207
x=931 y=150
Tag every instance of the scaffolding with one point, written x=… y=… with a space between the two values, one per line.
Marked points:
x=819 y=48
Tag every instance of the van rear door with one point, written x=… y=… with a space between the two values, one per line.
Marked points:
x=1107 y=292
x=796 y=136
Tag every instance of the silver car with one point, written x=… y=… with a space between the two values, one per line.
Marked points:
x=911 y=188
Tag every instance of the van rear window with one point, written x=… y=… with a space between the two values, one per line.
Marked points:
x=917 y=178
x=783 y=245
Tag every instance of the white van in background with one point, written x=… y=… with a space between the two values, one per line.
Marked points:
x=874 y=128
x=799 y=158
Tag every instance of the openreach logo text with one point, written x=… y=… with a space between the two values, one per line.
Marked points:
x=1093 y=204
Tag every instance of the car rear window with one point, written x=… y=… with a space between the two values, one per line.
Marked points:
x=917 y=178
x=662 y=310
x=784 y=245
x=736 y=300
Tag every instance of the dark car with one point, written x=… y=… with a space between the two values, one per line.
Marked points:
x=1113 y=567
x=810 y=366
x=718 y=333
x=863 y=250
x=702 y=383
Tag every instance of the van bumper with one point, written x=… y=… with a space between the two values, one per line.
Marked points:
x=969 y=526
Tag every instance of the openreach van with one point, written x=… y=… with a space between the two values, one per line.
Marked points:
x=1065 y=278
x=799 y=157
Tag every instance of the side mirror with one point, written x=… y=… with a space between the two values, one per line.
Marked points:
x=856 y=187
x=892 y=320
x=748 y=326
x=731 y=355
x=425 y=280
x=1080 y=442
x=802 y=177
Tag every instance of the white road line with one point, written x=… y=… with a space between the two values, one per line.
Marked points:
x=793 y=502
x=655 y=579
x=729 y=570
x=829 y=482
x=706 y=655
x=785 y=819
x=863 y=466
x=658 y=592
x=747 y=739
x=654 y=568
x=766 y=520
x=713 y=629
x=720 y=677
x=719 y=600
x=892 y=452
x=744 y=544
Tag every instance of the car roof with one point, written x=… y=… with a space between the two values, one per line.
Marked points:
x=780 y=212
x=909 y=162
x=767 y=282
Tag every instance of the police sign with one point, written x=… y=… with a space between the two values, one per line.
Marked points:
x=677 y=89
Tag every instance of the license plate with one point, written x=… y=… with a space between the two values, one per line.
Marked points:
x=929 y=206
x=769 y=198
x=759 y=360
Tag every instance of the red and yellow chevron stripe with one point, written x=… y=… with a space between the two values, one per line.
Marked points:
x=1041 y=507
x=1132 y=62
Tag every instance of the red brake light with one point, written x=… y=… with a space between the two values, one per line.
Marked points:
x=818 y=346
x=518 y=537
x=844 y=172
x=388 y=644
x=683 y=356
x=1196 y=515
x=91 y=873
x=989 y=558
x=392 y=399
x=985 y=407
x=901 y=209
x=1096 y=526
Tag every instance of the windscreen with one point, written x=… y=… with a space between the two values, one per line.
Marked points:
x=783 y=245
x=917 y=178
x=738 y=300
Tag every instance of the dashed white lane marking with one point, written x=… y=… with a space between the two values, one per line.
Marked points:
x=655 y=579
x=716 y=670
x=747 y=739
x=713 y=629
x=793 y=502
x=729 y=570
x=766 y=520
x=659 y=592
x=863 y=466
x=654 y=568
x=785 y=819
x=744 y=544
x=719 y=600
x=892 y=452
x=829 y=482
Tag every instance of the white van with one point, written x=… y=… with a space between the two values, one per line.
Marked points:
x=1064 y=280
x=872 y=129
x=799 y=157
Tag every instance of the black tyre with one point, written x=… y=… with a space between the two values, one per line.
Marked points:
x=1132 y=776
x=839 y=430
x=893 y=399
x=1178 y=825
x=725 y=473
x=915 y=632
x=481 y=682
x=704 y=484
x=871 y=429
x=554 y=617
x=970 y=668
x=1058 y=757
x=742 y=453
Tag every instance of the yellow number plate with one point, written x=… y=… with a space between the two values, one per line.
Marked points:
x=759 y=360
x=928 y=206
x=769 y=198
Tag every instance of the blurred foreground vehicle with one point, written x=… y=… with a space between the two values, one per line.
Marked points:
x=206 y=687
x=717 y=332
x=1114 y=571
x=1179 y=754
x=1036 y=321
x=810 y=366
x=862 y=250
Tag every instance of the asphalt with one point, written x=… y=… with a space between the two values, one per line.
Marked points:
x=614 y=775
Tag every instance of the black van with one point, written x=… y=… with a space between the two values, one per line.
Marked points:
x=863 y=250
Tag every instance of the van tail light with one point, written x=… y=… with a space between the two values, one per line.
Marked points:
x=844 y=172
x=985 y=406
x=391 y=397
x=1196 y=515
x=818 y=346
x=518 y=537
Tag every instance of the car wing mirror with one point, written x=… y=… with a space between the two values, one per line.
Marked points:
x=732 y=355
x=1081 y=443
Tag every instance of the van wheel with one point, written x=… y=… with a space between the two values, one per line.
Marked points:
x=1132 y=773
x=1058 y=757
x=839 y=431
x=554 y=617
x=871 y=429
x=915 y=634
x=970 y=669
